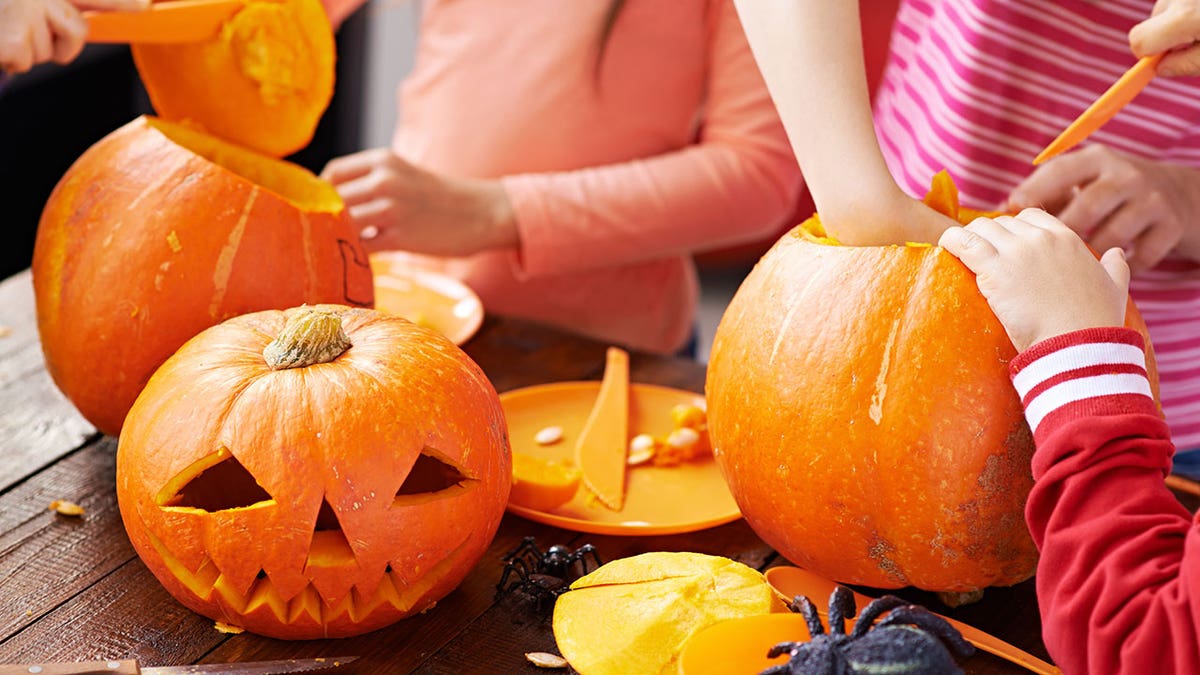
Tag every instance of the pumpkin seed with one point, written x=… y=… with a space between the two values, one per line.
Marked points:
x=66 y=508
x=546 y=660
x=548 y=435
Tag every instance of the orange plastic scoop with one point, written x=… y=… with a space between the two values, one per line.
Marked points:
x=792 y=581
x=600 y=448
x=164 y=22
x=1122 y=92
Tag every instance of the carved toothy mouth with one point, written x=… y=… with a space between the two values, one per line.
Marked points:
x=208 y=585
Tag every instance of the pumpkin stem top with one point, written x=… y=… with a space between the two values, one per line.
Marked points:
x=310 y=336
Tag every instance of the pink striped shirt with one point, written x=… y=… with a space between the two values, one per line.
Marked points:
x=979 y=87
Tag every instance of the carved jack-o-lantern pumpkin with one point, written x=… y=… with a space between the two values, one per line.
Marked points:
x=318 y=472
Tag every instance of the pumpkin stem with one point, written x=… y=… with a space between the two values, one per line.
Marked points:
x=310 y=336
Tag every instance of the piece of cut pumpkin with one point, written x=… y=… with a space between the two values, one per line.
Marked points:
x=633 y=615
x=262 y=83
x=542 y=484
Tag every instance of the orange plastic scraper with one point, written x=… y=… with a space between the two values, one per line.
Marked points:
x=600 y=449
x=164 y=22
x=1120 y=93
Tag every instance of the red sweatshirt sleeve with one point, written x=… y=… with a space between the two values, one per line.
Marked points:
x=1118 y=581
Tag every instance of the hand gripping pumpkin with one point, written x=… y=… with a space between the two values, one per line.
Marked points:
x=159 y=231
x=318 y=472
x=861 y=411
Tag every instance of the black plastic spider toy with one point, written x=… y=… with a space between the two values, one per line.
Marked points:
x=544 y=576
x=910 y=639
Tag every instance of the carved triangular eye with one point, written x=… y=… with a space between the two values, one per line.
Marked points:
x=431 y=474
x=215 y=483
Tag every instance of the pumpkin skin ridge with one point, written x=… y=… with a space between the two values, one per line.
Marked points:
x=238 y=573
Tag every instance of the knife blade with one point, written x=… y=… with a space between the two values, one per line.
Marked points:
x=131 y=667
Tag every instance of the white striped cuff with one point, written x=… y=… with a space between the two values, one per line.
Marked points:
x=1070 y=391
x=1075 y=372
x=1074 y=357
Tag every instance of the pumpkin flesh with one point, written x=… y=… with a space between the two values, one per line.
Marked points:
x=262 y=83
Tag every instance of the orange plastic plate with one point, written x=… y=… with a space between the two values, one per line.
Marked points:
x=436 y=301
x=658 y=500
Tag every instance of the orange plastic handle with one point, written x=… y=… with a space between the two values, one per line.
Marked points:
x=1118 y=95
x=792 y=581
x=164 y=22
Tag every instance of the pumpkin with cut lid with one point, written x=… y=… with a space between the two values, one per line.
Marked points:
x=162 y=228
x=861 y=411
x=316 y=472
x=159 y=231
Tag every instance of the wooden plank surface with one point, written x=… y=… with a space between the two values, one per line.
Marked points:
x=73 y=589
x=39 y=424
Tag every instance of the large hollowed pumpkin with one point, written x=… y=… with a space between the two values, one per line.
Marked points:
x=159 y=231
x=321 y=471
x=861 y=411
x=262 y=82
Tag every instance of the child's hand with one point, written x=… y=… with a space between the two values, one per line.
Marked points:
x=37 y=31
x=1173 y=27
x=1038 y=276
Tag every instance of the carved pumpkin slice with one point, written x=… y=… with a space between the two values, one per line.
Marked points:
x=262 y=83
x=633 y=615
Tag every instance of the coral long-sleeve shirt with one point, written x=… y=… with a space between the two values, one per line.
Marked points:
x=1118 y=581
x=617 y=171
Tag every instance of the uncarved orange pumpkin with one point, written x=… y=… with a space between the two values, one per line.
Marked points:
x=159 y=231
x=861 y=411
x=316 y=472
x=262 y=82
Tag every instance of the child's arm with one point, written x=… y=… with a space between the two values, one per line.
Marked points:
x=1119 y=570
x=810 y=54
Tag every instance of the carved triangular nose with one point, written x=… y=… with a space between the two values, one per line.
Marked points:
x=330 y=546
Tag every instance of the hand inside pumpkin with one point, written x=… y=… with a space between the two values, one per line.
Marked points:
x=1039 y=277
x=400 y=206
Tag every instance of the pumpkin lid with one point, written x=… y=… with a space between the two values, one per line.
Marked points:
x=262 y=83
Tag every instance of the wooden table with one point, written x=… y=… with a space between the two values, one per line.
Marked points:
x=73 y=589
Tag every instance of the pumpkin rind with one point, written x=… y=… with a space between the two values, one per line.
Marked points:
x=861 y=411
x=346 y=432
x=262 y=83
x=157 y=232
